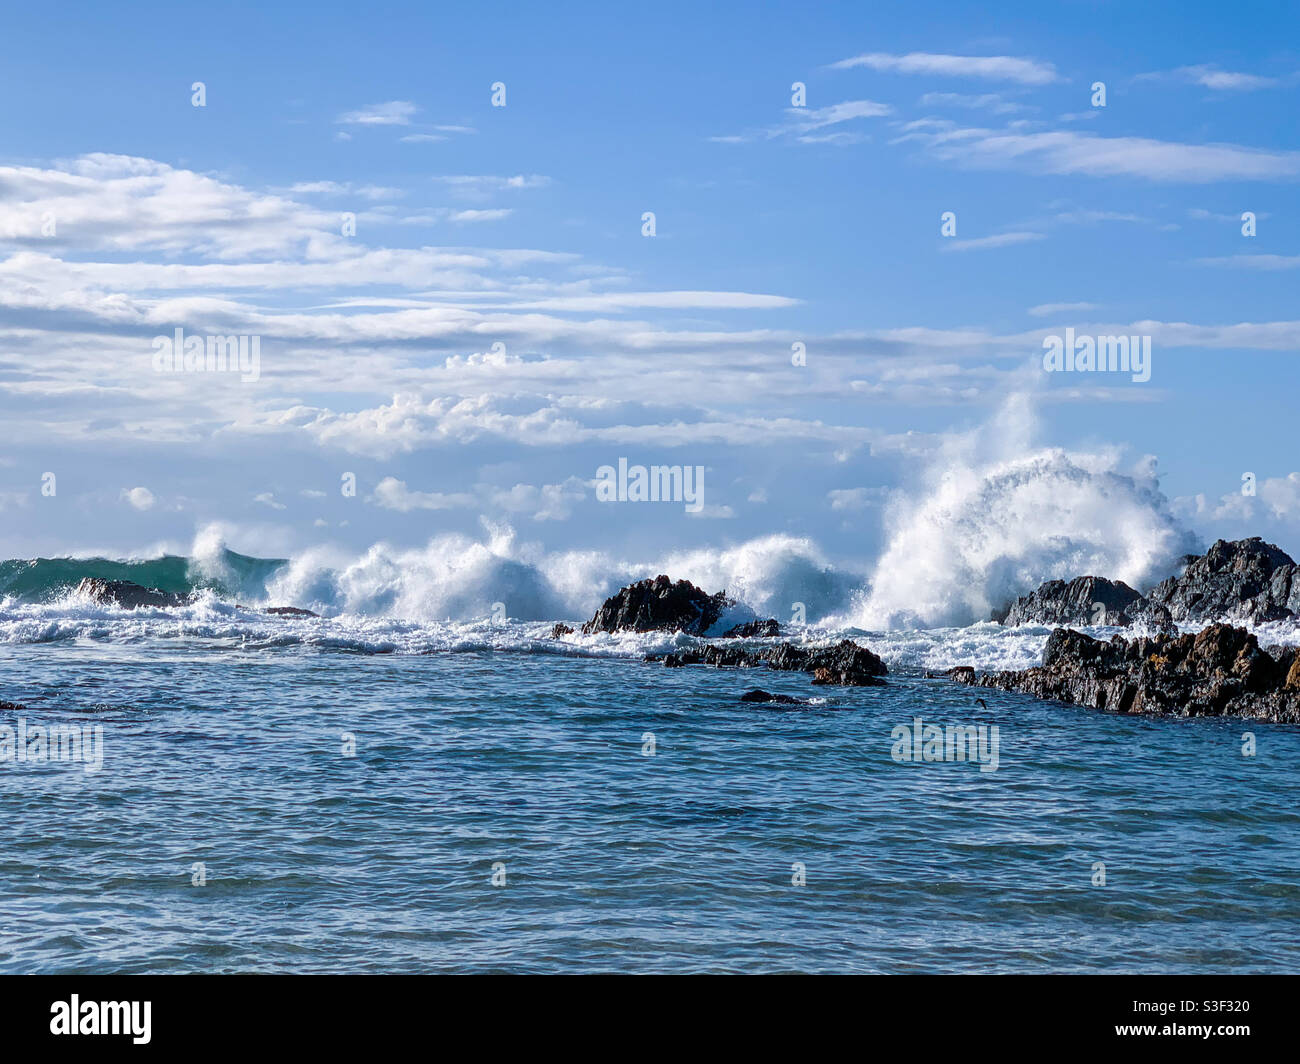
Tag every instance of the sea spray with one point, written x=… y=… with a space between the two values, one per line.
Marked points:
x=993 y=517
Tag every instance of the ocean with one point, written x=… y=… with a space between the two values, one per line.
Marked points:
x=359 y=793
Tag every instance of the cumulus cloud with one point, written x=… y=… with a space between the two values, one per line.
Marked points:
x=140 y=498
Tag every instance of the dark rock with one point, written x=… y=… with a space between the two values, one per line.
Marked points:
x=560 y=629
x=290 y=611
x=759 y=695
x=754 y=630
x=1085 y=600
x=845 y=663
x=1246 y=580
x=1243 y=580
x=1219 y=671
x=659 y=605
x=128 y=595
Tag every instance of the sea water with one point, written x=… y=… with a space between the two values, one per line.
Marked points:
x=361 y=794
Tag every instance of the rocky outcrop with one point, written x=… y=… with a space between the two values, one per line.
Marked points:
x=846 y=663
x=1085 y=600
x=767 y=629
x=1220 y=671
x=132 y=596
x=1243 y=580
x=560 y=629
x=659 y=605
x=127 y=595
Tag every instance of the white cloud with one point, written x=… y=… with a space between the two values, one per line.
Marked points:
x=999 y=240
x=1048 y=310
x=1225 y=80
x=140 y=498
x=1254 y=262
x=392 y=113
x=393 y=494
x=854 y=499
x=991 y=67
x=1068 y=152
x=989 y=101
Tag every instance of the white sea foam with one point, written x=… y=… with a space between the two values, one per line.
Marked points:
x=994 y=517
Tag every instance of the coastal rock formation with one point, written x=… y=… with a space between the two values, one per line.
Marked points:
x=1220 y=671
x=845 y=663
x=128 y=595
x=1246 y=580
x=1085 y=600
x=560 y=629
x=659 y=605
x=1242 y=580
x=290 y=611
x=754 y=630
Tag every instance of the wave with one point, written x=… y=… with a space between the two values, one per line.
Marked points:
x=453 y=578
x=995 y=517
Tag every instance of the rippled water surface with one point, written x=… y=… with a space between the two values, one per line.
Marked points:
x=680 y=861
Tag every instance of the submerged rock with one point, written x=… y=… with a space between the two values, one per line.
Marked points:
x=659 y=605
x=846 y=663
x=759 y=695
x=128 y=595
x=290 y=611
x=560 y=629
x=1220 y=671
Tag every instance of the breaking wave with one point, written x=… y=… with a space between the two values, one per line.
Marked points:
x=452 y=578
x=995 y=517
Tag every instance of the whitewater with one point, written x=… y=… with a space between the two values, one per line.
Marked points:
x=991 y=519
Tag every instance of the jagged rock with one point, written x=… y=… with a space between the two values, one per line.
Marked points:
x=1246 y=580
x=754 y=630
x=659 y=605
x=290 y=611
x=128 y=595
x=1085 y=600
x=560 y=629
x=1243 y=580
x=1219 y=671
x=845 y=663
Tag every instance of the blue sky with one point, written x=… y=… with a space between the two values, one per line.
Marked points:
x=521 y=225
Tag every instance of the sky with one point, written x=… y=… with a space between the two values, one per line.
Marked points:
x=433 y=223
